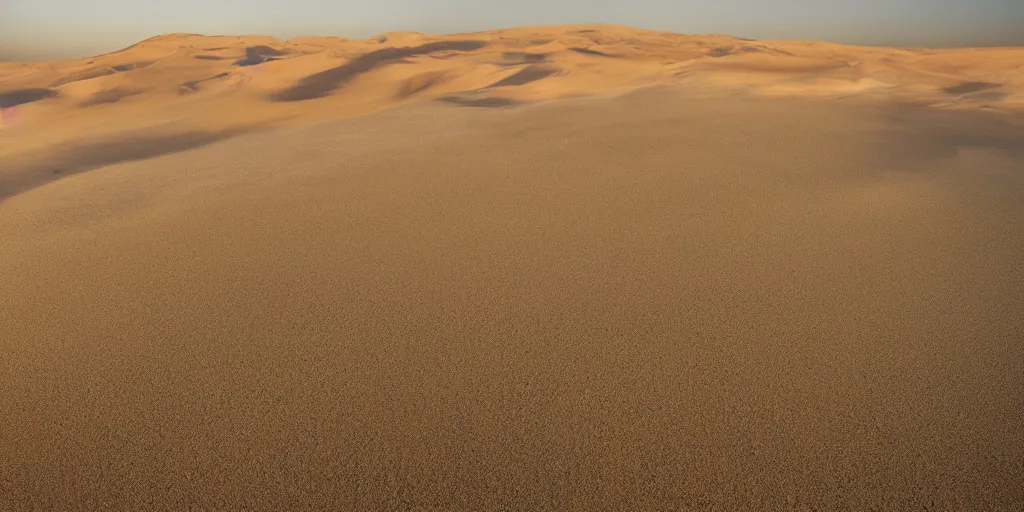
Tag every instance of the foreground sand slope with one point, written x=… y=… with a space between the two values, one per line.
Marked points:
x=654 y=301
x=213 y=87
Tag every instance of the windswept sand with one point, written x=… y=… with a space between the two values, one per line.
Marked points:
x=669 y=272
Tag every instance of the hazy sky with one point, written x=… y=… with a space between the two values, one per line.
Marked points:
x=79 y=27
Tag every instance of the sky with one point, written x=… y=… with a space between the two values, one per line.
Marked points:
x=36 y=29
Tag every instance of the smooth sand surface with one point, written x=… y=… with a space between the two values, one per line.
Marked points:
x=689 y=296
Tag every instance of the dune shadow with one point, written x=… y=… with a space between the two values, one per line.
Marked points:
x=21 y=96
x=258 y=55
x=83 y=156
x=479 y=102
x=98 y=72
x=520 y=57
x=725 y=51
x=131 y=66
x=193 y=85
x=83 y=75
x=210 y=57
x=587 y=51
x=323 y=83
x=920 y=134
x=108 y=96
x=969 y=87
x=418 y=84
x=524 y=76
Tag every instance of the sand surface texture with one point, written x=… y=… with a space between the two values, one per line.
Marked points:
x=656 y=272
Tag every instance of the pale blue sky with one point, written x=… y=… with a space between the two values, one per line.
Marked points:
x=79 y=27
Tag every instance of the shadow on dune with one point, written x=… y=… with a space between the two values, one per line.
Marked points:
x=419 y=84
x=98 y=72
x=927 y=134
x=28 y=173
x=323 y=83
x=20 y=96
x=587 y=51
x=132 y=65
x=108 y=96
x=258 y=55
x=520 y=57
x=193 y=86
x=969 y=87
x=83 y=75
x=479 y=102
x=525 y=76
x=725 y=51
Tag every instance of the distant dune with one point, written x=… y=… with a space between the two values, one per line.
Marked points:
x=187 y=82
x=546 y=268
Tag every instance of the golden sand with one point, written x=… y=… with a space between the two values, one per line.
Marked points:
x=667 y=272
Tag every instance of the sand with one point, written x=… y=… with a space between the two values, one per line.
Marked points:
x=658 y=275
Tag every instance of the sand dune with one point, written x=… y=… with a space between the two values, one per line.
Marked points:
x=227 y=82
x=583 y=268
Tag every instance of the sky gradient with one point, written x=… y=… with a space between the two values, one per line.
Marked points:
x=65 y=28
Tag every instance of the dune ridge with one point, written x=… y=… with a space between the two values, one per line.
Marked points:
x=238 y=80
x=174 y=86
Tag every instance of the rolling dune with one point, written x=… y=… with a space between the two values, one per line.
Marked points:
x=227 y=82
x=542 y=268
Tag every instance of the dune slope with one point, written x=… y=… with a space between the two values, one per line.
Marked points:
x=669 y=299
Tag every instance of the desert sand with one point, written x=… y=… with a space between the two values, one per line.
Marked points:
x=585 y=267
